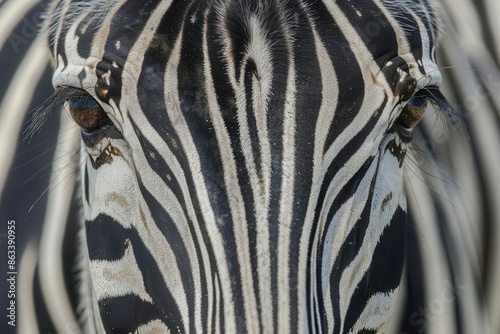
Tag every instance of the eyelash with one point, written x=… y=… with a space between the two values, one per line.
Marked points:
x=64 y=94
x=450 y=116
x=56 y=101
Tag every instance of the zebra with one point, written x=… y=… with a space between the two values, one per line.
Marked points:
x=241 y=169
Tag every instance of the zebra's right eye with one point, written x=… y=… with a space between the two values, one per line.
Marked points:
x=87 y=113
x=414 y=110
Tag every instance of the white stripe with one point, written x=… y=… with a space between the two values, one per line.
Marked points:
x=326 y=114
x=375 y=311
x=17 y=101
x=341 y=225
x=152 y=182
x=388 y=183
x=50 y=260
x=286 y=201
x=435 y=265
x=259 y=49
x=217 y=294
x=235 y=198
x=27 y=321
x=106 y=274
x=11 y=15
x=153 y=327
x=373 y=97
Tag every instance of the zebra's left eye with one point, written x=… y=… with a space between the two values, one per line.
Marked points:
x=87 y=113
x=414 y=110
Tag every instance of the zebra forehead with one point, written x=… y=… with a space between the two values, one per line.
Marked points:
x=236 y=14
x=243 y=25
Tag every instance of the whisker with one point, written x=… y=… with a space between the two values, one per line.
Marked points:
x=53 y=184
x=47 y=166
x=41 y=114
x=429 y=186
x=443 y=108
x=452 y=68
x=415 y=226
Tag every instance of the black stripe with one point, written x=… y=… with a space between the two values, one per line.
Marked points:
x=86 y=183
x=86 y=38
x=226 y=101
x=250 y=75
x=413 y=33
x=61 y=43
x=173 y=237
x=125 y=313
x=373 y=28
x=349 y=75
x=346 y=255
x=426 y=14
x=105 y=238
x=194 y=104
x=342 y=158
x=346 y=192
x=413 y=321
x=114 y=312
x=126 y=26
x=152 y=84
x=308 y=99
x=384 y=273
x=129 y=21
x=170 y=230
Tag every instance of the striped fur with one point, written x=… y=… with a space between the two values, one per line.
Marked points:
x=252 y=180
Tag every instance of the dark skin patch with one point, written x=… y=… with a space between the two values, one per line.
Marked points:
x=106 y=156
x=397 y=151
x=386 y=200
x=81 y=76
x=144 y=221
x=102 y=89
x=115 y=197
x=399 y=67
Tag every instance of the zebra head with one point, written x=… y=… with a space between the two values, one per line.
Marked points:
x=242 y=160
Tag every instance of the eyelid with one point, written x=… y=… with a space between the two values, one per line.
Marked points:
x=83 y=102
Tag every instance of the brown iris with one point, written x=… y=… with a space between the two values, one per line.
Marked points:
x=87 y=113
x=414 y=111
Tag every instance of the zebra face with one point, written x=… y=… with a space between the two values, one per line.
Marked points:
x=242 y=161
